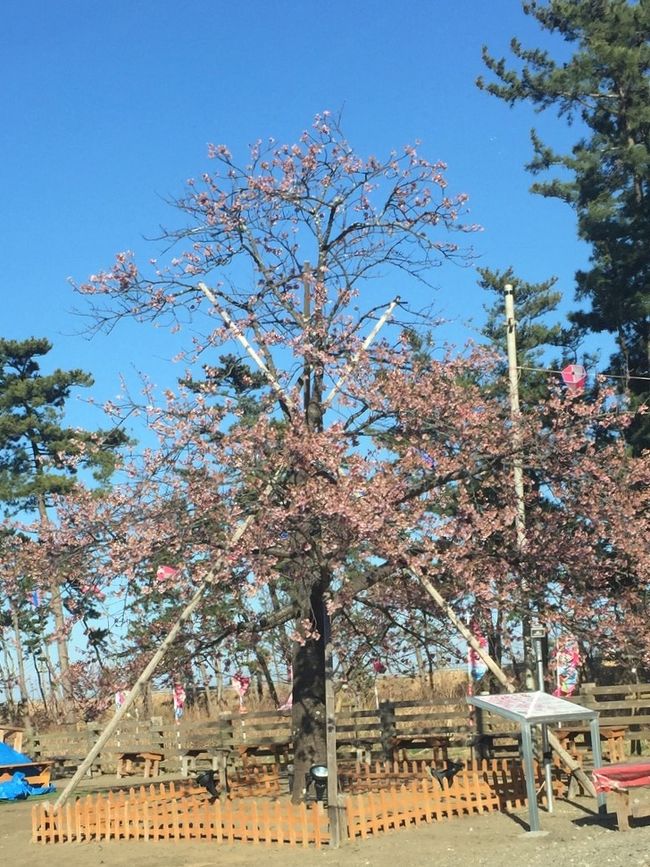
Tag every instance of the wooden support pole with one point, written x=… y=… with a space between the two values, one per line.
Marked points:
x=254 y=354
x=357 y=355
x=150 y=668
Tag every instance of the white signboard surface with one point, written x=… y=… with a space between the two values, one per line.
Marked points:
x=532 y=706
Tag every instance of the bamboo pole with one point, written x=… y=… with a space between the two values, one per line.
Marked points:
x=150 y=667
x=501 y=676
x=254 y=354
x=357 y=355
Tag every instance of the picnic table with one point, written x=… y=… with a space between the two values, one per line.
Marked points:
x=362 y=748
x=575 y=739
x=438 y=744
x=148 y=759
x=13 y=761
x=12 y=736
x=279 y=749
x=617 y=781
x=217 y=756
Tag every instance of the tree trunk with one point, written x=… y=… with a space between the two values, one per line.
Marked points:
x=41 y=689
x=20 y=658
x=308 y=721
x=266 y=671
x=209 y=698
x=217 y=667
x=59 y=623
x=8 y=678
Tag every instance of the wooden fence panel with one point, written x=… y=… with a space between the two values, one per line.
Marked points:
x=625 y=705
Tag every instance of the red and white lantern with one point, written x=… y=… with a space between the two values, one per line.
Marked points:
x=574 y=376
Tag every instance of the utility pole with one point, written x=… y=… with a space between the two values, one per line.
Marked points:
x=518 y=470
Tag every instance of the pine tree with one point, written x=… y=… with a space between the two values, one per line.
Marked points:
x=39 y=455
x=535 y=338
x=604 y=84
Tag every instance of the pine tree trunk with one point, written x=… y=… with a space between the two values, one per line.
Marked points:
x=41 y=689
x=20 y=658
x=8 y=678
x=59 y=624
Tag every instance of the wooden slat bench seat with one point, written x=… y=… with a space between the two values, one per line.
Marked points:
x=577 y=740
x=619 y=781
x=362 y=748
x=12 y=736
x=279 y=749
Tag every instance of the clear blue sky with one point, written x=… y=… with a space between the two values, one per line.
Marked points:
x=108 y=107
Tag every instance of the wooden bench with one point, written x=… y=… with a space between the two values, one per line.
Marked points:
x=150 y=762
x=617 y=781
x=362 y=748
x=40 y=778
x=264 y=747
x=496 y=744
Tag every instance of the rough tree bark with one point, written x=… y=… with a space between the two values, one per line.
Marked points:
x=308 y=721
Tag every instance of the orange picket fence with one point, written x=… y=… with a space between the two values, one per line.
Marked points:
x=377 y=798
x=166 y=813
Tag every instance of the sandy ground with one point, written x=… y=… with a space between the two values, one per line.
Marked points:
x=576 y=836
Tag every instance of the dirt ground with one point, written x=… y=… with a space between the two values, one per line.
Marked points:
x=576 y=836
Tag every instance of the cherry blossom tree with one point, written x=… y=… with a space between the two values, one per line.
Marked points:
x=364 y=465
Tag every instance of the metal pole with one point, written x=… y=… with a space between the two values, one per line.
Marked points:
x=546 y=750
x=517 y=465
x=594 y=725
x=334 y=811
x=529 y=770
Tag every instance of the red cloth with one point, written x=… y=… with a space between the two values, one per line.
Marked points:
x=620 y=778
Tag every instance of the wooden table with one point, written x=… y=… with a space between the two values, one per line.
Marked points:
x=619 y=780
x=362 y=748
x=614 y=739
x=438 y=744
x=149 y=760
x=278 y=749
x=497 y=744
x=217 y=756
x=12 y=736
x=36 y=773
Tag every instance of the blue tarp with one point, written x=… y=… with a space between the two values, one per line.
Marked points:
x=9 y=756
x=18 y=788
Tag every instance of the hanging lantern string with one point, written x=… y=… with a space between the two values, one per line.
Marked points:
x=604 y=375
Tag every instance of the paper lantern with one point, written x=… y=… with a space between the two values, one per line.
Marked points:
x=574 y=376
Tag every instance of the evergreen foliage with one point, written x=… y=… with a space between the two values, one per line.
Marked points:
x=39 y=455
x=604 y=85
